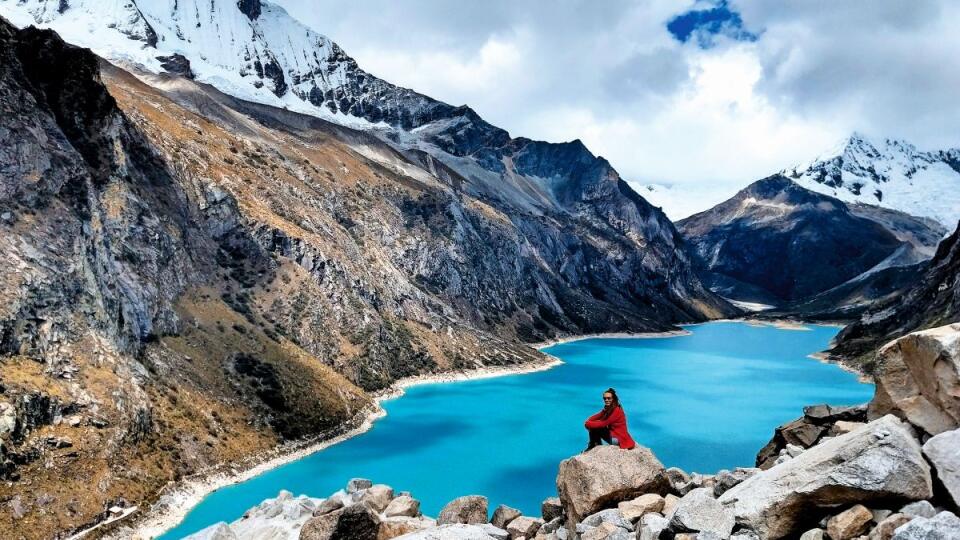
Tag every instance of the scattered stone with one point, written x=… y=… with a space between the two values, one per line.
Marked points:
x=698 y=511
x=919 y=509
x=849 y=523
x=880 y=461
x=357 y=484
x=606 y=476
x=404 y=505
x=744 y=535
x=886 y=527
x=605 y=531
x=610 y=515
x=919 y=379
x=377 y=496
x=471 y=509
x=843 y=427
x=495 y=532
x=727 y=479
x=634 y=509
x=354 y=522
x=392 y=527
x=17 y=509
x=943 y=451
x=551 y=526
x=650 y=526
x=943 y=526
x=880 y=514
x=677 y=479
x=551 y=508
x=331 y=503
x=524 y=526
x=503 y=515
x=669 y=503
x=453 y=531
x=814 y=534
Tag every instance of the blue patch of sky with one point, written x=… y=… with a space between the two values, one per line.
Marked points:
x=703 y=25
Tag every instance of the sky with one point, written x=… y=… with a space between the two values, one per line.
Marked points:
x=703 y=96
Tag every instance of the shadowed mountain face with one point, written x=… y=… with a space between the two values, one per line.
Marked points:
x=195 y=278
x=932 y=301
x=776 y=242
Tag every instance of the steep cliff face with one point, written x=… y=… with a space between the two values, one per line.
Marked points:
x=195 y=278
x=931 y=302
x=778 y=243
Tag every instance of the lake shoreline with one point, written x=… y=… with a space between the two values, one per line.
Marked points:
x=182 y=496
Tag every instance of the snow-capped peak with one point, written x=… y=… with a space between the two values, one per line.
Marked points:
x=891 y=173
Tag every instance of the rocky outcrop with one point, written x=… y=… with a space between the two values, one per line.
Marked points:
x=918 y=379
x=817 y=422
x=880 y=461
x=606 y=476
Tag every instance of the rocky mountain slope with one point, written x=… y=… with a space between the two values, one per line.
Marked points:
x=932 y=301
x=891 y=174
x=196 y=278
x=778 y=243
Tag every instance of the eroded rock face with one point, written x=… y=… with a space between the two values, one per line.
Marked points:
x=918 y=379
x=606 y=476
x=880 y=461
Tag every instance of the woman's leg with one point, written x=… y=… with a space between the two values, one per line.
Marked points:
x=597 y=436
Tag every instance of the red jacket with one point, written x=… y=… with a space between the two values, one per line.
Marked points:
x=617 y=423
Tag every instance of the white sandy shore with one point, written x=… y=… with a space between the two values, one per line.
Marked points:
x=615 y=335
x=181 y=497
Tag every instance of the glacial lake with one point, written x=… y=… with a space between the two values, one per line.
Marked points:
x=702 y=402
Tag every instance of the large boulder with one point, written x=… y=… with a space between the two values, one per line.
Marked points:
x=392 y=527
x=698 y=511
x=551 y=508
x=470 y=509
x=503 y=515
x=943 y=451
x=817 y=421
x=404 y=505
x=377 y=496
x=451 y=531
x=355 y=522
x=524 y=526
x=605 y=476
x=943 y=526
x=880 y=461
x=918 y=379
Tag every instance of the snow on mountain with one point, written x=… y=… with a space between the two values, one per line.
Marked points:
x=682 y=201
x=891 y=174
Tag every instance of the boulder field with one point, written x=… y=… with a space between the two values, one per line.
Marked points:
x=888 y=470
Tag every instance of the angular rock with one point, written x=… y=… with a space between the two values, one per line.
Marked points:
x=331 y=503
x=503 y=515
x=880 y=514
x=918 y=379
x=355 y=522
x=919 y=509
x=377 y=496
x=886 y=528
x=814 y=534
x=943 y=451
x=392 y=527
x=524 y=526
x=605 y=531
x=724 y=480
x=669 y=503
x=404 y=505
x=650 y=526
x=606 y=476
x=551 y=508
x=358 y=484
x=943 y=526
x=677 y=478
x=470 y=509
x=452 y=531
x=842 y=427
x=879 y=461
x=610 y=515
x=849 y=523
x=634 y=509
x=698 y=511
x=744 y=535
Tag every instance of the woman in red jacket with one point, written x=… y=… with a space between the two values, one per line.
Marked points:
x=610 y=424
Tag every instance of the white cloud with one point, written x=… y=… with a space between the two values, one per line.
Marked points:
x=705 y=121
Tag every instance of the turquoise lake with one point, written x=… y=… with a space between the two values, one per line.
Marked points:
x=702 y=402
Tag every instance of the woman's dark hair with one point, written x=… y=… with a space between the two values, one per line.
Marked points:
x=608 y=410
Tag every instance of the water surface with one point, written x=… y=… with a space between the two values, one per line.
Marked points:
x=703 y=402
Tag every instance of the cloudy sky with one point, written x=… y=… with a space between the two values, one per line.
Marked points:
x=704 y=96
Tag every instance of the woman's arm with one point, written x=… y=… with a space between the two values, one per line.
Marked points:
x=597 y=421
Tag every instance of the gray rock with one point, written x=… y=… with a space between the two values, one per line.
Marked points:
x=392 y=527
x=880 y=514
x=606 y=476
x=219 y=531
x=331 y=503
x=612 y=516
x=744 y=535
x=886 y=528
x=552 y=526
x=943 y=526
x=634 y=509
x=503 y=515
x=918 y=379
x=551 y=508
x=496 y=532
x=354 y=522
x=698 y=511
x=880 y=461
x=677 y=478
x=470 y=509
x=814 y=534
x=357 y=484
x=452 y=531
x=404 y=505
x=943 y=451
x=650 y=526
x=377 y=496
x=727 y=479
x=919 y=509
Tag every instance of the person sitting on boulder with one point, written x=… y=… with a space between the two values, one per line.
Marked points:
x=610 y=424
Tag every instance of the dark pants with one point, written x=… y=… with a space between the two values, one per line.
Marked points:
x=597 y=436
